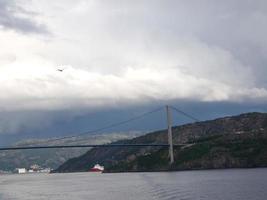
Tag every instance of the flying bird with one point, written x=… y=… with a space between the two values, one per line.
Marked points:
x=60 y=70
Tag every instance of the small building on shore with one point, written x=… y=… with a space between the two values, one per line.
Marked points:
x=21 y=170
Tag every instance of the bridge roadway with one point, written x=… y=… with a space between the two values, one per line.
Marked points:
x=88 y=145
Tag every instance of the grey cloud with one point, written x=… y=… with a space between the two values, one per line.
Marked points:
x=236 y=26
x=34 y=124
x=14 y=17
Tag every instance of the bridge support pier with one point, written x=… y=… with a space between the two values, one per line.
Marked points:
x=169 y=123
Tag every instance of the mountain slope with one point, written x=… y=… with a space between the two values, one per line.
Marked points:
x=52 y=158
x=239 y=141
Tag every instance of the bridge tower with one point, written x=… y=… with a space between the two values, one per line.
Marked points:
x=169 y=123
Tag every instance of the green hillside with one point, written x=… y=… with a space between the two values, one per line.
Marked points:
x=230 y=142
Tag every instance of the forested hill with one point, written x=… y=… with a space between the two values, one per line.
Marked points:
x=229 y=142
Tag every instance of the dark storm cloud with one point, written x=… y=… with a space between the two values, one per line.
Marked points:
x=63 y=123
x=14 y=17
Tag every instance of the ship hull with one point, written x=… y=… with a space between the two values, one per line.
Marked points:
x=95 y=170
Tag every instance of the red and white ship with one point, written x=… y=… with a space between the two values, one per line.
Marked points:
x=97 y=168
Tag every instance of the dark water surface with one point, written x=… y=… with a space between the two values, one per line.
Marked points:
x=235 y=184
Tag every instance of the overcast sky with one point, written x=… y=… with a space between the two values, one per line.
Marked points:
x=125 y=55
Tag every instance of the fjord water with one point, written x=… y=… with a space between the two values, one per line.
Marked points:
x=234 y=184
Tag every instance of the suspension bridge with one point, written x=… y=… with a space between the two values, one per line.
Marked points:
x=169 y=145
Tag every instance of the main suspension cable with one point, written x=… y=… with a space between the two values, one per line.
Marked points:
x=107 y=127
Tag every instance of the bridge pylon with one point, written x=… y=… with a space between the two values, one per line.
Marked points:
x=169 y=124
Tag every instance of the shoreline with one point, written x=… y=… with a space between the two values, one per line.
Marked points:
x=160 y=171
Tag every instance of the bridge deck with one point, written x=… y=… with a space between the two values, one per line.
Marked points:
x=87 y=145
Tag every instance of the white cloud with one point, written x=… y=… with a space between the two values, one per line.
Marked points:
x=36 y=84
